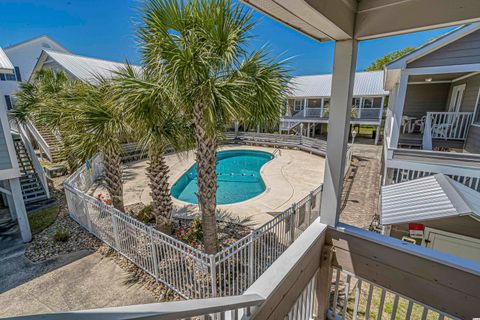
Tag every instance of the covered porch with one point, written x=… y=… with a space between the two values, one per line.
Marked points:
x=434 y=113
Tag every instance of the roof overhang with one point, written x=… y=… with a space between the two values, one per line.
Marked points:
x=367 y=19
x=393 y=69
x=430 y=198
x=5 y=65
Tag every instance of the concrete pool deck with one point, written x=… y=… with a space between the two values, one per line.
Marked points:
x=289 y=177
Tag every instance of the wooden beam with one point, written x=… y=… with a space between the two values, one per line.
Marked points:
x=443 y=282
x=382 y=18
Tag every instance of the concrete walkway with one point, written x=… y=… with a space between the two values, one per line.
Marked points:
x=289 y=177
x=90 y=282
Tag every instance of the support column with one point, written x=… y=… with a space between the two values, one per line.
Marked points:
x=236 y=129
x=398 y=106
x=345 y=58
x=20 y=211
x=379 y=127
x=308 y=129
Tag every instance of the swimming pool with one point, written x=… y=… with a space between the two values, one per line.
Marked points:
x=238 y=177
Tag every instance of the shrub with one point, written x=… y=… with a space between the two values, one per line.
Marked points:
x=61 y=236
x=192 y=235
x=146 y=214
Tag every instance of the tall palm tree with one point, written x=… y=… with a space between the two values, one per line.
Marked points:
x=85 y=118
x=92 y=124
x=202 y=47
x=148 y=106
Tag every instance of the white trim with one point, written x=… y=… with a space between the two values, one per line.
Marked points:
x=475 y=110
x=461 y=90
x=10 y=174
x=473 y=67
x=8 y=135
x=465 y=76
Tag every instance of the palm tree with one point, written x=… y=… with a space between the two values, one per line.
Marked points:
x=201 y=47
x=85 y=118
x=92 y=124
x=148 y=106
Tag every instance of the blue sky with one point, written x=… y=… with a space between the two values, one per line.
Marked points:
x=106 y=29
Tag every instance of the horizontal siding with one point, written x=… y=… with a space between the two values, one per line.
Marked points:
x=423 y=98
x=472 y=144
x=5 y=162
x=463 y=51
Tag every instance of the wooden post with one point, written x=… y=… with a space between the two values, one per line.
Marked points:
x=324 y=280
x=338 y=125
x=236 y=129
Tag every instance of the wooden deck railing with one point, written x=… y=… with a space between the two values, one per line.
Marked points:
x=373 y=276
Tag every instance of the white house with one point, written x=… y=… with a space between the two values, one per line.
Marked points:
x=76 y=67
x=24 y=56
x=309 y=101
x=9 y=168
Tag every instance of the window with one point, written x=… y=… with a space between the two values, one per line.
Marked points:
x=314 y=103
x=298 y=105
x=326 y=103
x=367 y=103
x=356 y=102
x=7 y=77
x=8 y=101
x=476 y=115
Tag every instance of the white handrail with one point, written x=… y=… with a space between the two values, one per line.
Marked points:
x=40 y=140
x=37 y=166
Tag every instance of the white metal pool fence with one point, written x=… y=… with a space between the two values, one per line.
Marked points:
x=183 y=268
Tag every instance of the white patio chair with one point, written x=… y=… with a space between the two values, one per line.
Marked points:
x=421 y=123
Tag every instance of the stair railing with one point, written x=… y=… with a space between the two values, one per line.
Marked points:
x=40 y=140
x=37 y=166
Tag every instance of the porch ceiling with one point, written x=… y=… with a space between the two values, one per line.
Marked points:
x=437 y=77
x=367 y=19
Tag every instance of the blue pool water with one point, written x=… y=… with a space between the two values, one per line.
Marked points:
x=238 y=177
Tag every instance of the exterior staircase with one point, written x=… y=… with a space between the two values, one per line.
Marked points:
x=32 y=187
x=52 y=142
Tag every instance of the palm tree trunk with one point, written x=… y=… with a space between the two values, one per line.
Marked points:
x=206 y=158
x=113 y=179
x=162 y=206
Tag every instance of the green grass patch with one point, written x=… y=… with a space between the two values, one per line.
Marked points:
x=42 y=219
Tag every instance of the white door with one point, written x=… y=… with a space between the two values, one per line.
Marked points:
x=456 y=99
x=454 y=244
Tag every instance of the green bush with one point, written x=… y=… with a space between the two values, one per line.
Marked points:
x=146 y=214
x=61 y=236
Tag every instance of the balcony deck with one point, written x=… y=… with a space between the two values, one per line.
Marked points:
x=399 y=280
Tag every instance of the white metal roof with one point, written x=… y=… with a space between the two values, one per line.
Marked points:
x=85 y=68
x=5 y=64
x=432 y=197
x=366 y=84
